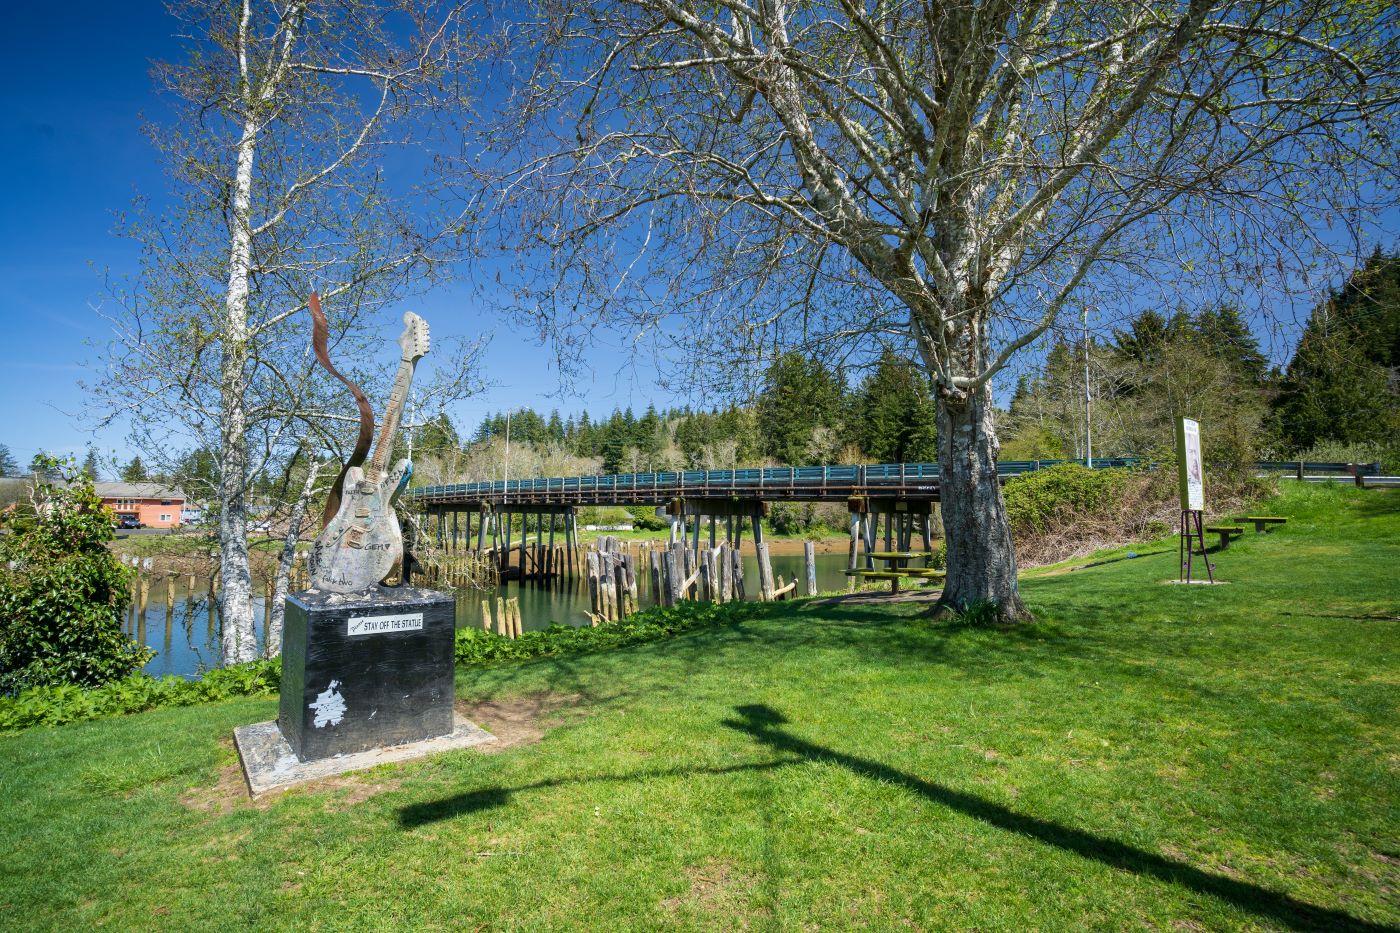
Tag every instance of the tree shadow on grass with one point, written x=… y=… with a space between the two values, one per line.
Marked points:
x=764 y=724
x=487 y=798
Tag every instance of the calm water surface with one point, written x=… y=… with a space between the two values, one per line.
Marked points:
x=187 y=642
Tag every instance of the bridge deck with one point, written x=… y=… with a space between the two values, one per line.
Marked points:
x=802 y=484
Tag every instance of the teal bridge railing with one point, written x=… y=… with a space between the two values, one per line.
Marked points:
x=815 y=483
x=807 y=483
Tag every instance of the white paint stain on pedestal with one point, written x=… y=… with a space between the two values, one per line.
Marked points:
x=329 y=707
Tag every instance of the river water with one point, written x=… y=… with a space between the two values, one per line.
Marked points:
x=187 y=641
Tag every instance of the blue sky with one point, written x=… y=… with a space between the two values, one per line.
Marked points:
x=74 y=155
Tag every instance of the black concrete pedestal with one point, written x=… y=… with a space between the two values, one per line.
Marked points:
x=366 y=670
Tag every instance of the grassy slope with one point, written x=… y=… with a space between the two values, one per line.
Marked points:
x=1146 y=755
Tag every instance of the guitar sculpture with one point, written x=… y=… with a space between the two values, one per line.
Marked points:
x=362 y=542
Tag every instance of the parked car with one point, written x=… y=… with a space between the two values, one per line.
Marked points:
x=127 y=521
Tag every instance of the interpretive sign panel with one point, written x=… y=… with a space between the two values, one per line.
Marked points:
x=1191 y=472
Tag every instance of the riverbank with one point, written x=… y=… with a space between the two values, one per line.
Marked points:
x=1143 y=756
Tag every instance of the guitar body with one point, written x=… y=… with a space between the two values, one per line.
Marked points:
x=362 y=543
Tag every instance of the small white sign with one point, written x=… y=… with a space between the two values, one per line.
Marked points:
x=383 y=625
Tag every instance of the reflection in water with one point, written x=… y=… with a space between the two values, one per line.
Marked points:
x=188 y=642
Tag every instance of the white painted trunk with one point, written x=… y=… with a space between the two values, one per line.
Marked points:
x=239 y=640
x=981 y=556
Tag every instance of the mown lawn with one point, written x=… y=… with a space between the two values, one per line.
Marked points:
x=1145 y=756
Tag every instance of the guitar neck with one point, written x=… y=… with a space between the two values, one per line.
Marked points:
x=384 y=446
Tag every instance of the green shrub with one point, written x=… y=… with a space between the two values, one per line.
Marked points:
x=645 y=518
x=64 y=703
x=1035 y=500
x=1387 y=455
x=476 y=646
x=63 y=594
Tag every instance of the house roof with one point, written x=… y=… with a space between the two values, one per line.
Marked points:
x=137 y=491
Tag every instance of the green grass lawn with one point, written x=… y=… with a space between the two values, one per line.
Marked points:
x=1145 y=756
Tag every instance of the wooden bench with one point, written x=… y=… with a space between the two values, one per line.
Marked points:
x=1263 y=522
x=1226 y=532
x=894 y=576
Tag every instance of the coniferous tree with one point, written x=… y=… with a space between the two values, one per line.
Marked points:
x=1343 y=380
x=8 y=466
x=134 y=471
x=893 y=418
x=800 y=396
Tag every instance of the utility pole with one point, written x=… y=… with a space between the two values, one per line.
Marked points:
x=505 y=491
x=1088 y=399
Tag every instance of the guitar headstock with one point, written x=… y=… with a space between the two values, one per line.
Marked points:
x=414 y=339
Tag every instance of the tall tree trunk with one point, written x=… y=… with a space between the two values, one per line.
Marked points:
x=272 y=641
x=239 y=639
x=240 y=642
x=981 y=556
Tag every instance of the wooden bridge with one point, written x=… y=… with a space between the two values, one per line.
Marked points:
x=449 y=517
x=798 y=484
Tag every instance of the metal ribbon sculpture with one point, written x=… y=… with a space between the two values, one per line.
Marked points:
x=320 y=334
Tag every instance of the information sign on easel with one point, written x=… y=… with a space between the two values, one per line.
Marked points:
x=1191 y=479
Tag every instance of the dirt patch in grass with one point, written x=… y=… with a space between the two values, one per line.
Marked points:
x=229 y=791
x=714 y=887
x=518 y=720
x=881 y=597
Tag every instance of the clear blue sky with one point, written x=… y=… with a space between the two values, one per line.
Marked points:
x=73 y=157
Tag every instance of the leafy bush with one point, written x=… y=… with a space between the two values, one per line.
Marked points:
x=646 y=519
x=604 y=515
x=64 y=703
x=1035 y=500
x=1387 y=455
x=476 y=646
x=63 y=594
x=811 y=519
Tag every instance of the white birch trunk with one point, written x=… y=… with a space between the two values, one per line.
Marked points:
x=239 y=640
x=272 y=641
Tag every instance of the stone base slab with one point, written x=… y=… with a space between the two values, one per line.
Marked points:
x=269 y=763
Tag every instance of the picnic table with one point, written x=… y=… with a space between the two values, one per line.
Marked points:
x=896 y=568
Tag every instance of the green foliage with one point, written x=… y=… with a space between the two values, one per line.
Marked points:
x=1205 y=365
x=135 y=471
x=797 y=518
x=8 y=466
x=59 y=704
x=1386 y=454
x=800 y=402
x=644 y=518
x=893 y=417
x=476 y=646
x=1035 y=500
x=981 y=613
x=63 y=593
x=1339 y=386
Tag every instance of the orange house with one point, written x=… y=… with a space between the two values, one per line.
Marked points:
x=151 y=504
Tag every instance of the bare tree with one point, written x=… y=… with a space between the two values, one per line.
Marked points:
x=945 y=177
x=272 y=640
x=296 y=155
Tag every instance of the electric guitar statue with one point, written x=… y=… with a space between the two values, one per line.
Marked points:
x=362 y=542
